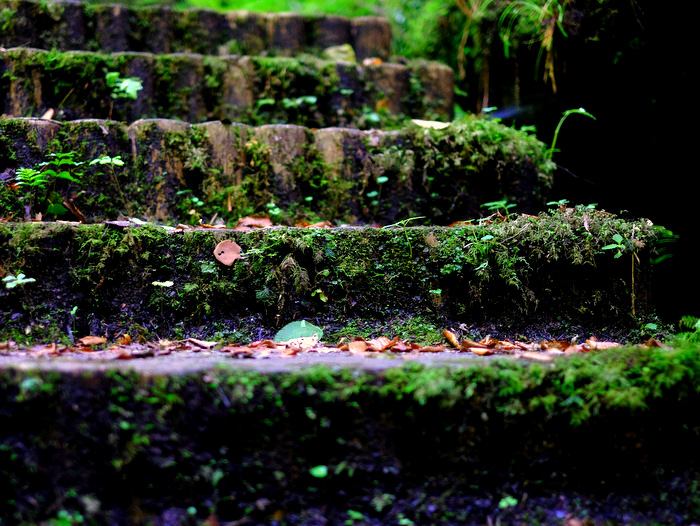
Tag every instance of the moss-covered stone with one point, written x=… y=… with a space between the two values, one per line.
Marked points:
x=66 y=25
x=337 y=174
x=258 y=90
x=542 y=276
x=582 y=436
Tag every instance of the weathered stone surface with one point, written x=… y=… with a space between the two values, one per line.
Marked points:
x=504 y=278
x=134 y=443
x=197 y=88
x=371 y=37
x=339 y=174
x=67 y=25
x=286 y=144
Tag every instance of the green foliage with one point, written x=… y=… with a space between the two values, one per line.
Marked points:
x=298 y=329
x=106 y=160
x=13 y=281
x=40 y=181
x=123 y=88
x=565 y=115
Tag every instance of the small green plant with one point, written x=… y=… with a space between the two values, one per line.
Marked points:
x=38 y=179
x=106 y=160
x=617 y=245
x=319 y=472
x=14 y=281
x=66 y=518
x=497 y=206
x=163 y=285
x=402 y=225
x=580 y=111
x=123 y=88
x=507 y=502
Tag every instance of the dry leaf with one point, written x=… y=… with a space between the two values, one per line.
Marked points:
x=372 y=61
x=381 y=344
x=202 y=343
x=303 y=343
x=125 y=339
x=92 y=340
x=451 y=338
x=227 y=252
x=468 y=344
x=481 y=351
x=596 y=345
x=435 y=125
x=432 y=348
x=252 y=222
x=48 y=115
x=357 y=347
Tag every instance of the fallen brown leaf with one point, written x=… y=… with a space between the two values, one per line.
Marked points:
x=381 y=344
x=253 y=222
x=432 y=348
x=451 y=338
x=92 y=340
x=357 y=347
x=202 y=343
x=125 y=339
x=227 y=252
x=481 y=351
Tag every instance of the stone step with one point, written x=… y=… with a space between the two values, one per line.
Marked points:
x=161 y=29
x=536 y=276
x=601 y=438
x=176 y=172
x=196 y=88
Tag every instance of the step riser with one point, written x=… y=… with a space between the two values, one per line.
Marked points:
x=198 y=88
x=246 y=168
x=160 y=29
x=124 y=447
x=452 y=275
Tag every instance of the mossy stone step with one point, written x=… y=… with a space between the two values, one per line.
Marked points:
x=161 y=29
x=250 y=89
x=177 y=172
x=540 y=277
x=599 y=437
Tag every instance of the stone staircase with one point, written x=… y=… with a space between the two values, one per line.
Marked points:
x=244 y=120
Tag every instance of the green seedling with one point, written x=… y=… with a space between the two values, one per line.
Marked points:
x=13 y=281
x=37 y=179
x=112 y=162
x=617 y=245
x=123 y=88
x=402 y=225
x=496 y=206
x=580 y=111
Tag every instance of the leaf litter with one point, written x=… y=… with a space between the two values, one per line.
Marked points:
x=125 y=348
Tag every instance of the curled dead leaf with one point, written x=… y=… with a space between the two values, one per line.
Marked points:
x=92 y=340
x=253 y=222
x=202 y=343
x=435 y=125
x=432 y=348
x=451 y=338
x=381 y=344
x=124 y=339
x=357 y=347
x=481 y=351
x=227 y=252
x=539 y=357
